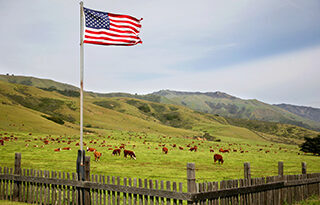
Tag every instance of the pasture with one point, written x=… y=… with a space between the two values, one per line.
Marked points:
x=151 y=162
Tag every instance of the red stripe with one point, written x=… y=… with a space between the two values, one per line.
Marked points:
x=110 y=44
x=124 y=16
x=128 y=27
x=109 y=39
x=129 y=22
x=119 y=31
x=110 y=34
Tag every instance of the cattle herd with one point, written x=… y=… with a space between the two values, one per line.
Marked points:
x=163 y=144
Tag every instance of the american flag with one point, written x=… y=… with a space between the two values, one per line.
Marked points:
x=111 y=29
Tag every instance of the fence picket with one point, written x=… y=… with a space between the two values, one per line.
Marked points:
x=109 y=192
x=180 y=190
x=146 y=199
x=168 y=186
x=162 y=188
x=140 y=196
x=130 y=195
x=118 y=193
x=151 y=187
x=73 y=190
x=174 y=188
x=134 y=195
x=100 y=191
x=157 y=188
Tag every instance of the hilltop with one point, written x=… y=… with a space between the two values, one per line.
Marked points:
x=220 y=103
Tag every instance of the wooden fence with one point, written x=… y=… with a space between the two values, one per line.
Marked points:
x=45 y=187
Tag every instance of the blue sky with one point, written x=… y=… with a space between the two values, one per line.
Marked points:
x=267 y=50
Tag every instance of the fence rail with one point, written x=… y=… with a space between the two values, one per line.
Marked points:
x=45 y=187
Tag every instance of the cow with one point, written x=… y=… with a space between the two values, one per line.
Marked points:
x=211 y=150
x=89 y=149
x=97 y=155
x=66 y=148
x=181 y=148
x=223 y=151
x=116 y=152
x=57 y=150
x=165 y=150
x=193 y=149
x=1 y=142
x=218 y=157
x=130 y=153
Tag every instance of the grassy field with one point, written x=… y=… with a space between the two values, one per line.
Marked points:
x=151 y=163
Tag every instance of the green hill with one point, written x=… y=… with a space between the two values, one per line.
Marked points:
x=226 y=105
x=55 y=110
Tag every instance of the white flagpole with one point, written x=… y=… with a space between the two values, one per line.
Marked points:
x=81 y=79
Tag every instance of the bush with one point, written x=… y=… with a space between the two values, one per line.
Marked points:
x=54 y=119
x=311 y=145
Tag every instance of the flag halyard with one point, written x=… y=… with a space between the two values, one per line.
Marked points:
x=105 y=28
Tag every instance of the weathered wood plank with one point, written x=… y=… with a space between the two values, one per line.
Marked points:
x=146 y=187
x=130 y=195
x=118 y=193
x=157 y=188
x=113 y=192
x=104 y=191
x=162 y=188
x=109 y=192
x=168 y=187
x=134 y=195
x=140 y=196
x=151 y=187
x=180 y=191
x=174 y=188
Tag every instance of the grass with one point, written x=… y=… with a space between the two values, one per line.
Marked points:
x=151 y=163
x=313 y=200
x=11 y=202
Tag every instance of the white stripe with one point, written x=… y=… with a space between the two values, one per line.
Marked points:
x=112 y=37
x=111 y=42
x=124 y=19
x=111 y=32
x=126 y=24
x=125 y=29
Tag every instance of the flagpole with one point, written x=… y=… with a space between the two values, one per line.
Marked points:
x=81 y=80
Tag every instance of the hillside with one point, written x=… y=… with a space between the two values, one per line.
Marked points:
x=303 y=111
x=26 y=108
x=229 y=106
x=56 y=110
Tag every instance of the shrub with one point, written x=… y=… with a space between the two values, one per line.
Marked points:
x=311 y=145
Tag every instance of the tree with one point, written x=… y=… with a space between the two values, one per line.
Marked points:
x=311 y=145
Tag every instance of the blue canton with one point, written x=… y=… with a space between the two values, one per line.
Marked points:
x=96 y=19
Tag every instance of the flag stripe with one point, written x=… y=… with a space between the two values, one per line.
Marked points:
x=111 y=29
x=109 y=39
x=124 y=16
x=104 y=33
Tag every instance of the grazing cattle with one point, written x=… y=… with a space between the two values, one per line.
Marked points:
x=89 y=149
x=116 y=152
x=218 y=157
x=130 y=153
x=211 y=150
x=66 y=148
x=110 y=148
x=193 y=149
x=122 y=146
x=181 y=148
x=97 y=155
x=165 y=150
x=1 y=142
x=223 y=151
x=35 y=145
x=234 y=150
x=57 y=150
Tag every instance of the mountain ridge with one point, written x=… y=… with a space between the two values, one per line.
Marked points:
x=217 y=103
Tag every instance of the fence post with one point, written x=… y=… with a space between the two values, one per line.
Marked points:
x=87 y=198
x=247 y=171
x=191 y=179
x=304 y=167
x=280 y=169
x=17 y=171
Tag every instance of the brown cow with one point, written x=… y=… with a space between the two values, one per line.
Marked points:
x=57 y=150
x=97 y=155
x=130 y=153
x=218 y=157
x=89 y=149
x=165 y=150
x=116 y=152
x=181 y=148
x=211 y=150
x=66 y=148
x=193 y=149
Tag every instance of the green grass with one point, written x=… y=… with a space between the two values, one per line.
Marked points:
x=11 y=202
x=313 y=200
x=151 y=163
